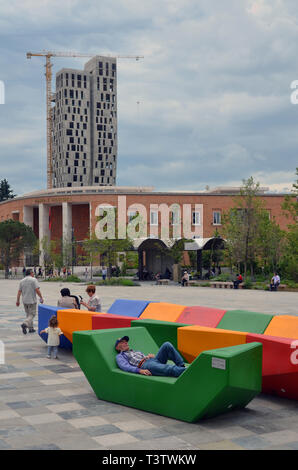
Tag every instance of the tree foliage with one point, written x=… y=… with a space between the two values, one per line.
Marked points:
x=15 y=238
x=251 y=236
x=5 y=191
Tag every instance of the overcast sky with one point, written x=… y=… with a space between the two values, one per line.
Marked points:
x=210 y=103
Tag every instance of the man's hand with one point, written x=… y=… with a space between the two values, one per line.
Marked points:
x=145 y=372
x=17 y=303
x=149 y=356
x=41 y=300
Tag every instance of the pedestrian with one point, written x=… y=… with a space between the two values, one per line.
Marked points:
x=239 y=280
x=54 y=334
x=275 y=281
x=28 y=289
x=86 y=274
x=185 y=279
x=94 y=303
x=104 y=273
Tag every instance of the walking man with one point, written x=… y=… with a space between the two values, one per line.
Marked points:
x=28 y=288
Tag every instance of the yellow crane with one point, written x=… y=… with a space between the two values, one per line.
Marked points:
x=48 y=74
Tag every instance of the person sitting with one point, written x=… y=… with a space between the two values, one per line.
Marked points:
x=67 y=300
x=93 y=304
x=157 y=278
x=238 y=281
x=137 y=362
x=185 y=279
x=275 y=281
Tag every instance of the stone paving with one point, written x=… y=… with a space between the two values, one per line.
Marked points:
x=48 y=404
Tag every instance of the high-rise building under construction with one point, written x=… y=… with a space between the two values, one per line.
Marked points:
x=84 y=135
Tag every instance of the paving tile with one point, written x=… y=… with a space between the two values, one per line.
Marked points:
x=221 y=445
x=43 y=418
x=102 y=430
x=109 y=441
x=55 y=381
x=8 y=414
x=252 y=442
x=56 y=408
x=87 y=422
x=282 y=437
x=152 y=433
x=133 y=425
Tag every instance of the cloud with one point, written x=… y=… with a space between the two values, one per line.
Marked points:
x=208 y=104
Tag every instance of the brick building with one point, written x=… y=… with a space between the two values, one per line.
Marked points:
x=63 y=213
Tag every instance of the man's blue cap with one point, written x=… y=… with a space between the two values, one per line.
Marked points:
x=124 y=338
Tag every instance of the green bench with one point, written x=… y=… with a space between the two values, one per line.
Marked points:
x=215 y=382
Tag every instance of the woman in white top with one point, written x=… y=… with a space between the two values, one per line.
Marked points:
x=53 y=336
x=93 y=304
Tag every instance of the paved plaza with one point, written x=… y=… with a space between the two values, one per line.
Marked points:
x=48 y=404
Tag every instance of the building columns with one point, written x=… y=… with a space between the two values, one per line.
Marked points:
x=28 y=215
x=44 y=229
x=66 y=230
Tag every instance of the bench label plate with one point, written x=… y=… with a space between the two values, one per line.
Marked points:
x=218 y=363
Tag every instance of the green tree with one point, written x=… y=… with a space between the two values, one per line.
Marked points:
x=290 y=206
x=108 y=245
x=15 y=238
x=5 y=191
x=241 y=226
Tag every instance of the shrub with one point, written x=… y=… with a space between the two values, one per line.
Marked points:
x=64 y=279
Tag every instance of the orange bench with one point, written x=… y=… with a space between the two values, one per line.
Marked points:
x=71 y=320
x=193 y=340
x=283 y=326
x=162 y=311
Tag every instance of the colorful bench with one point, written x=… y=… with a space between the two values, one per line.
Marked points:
x=162 y=311
x=203 y=316
x=214 y=328
x=216 y=381
x=127 y=307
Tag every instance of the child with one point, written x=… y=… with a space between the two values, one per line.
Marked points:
x=94 y=304
x=53 y=336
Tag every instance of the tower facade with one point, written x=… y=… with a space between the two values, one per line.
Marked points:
x=84 y=120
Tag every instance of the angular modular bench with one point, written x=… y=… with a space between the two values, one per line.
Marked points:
x=162 y=311
x=242 y=320
x=127 y=307
x=203 y=316
x=160 y=331
x=45 y=312
x=216 y=381
x=280 y=355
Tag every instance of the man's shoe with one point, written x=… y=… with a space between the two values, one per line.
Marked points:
x=24 y=328
x=31 y=330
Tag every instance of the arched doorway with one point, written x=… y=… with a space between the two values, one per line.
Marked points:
x=200 y=244
x=154 y=257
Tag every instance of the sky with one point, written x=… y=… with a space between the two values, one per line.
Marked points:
x=209 y=105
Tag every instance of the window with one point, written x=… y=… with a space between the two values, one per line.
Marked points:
x=196 y=218
x=153 y=218
x=216 y=218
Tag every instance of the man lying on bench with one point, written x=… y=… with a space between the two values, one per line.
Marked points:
x=139 y=363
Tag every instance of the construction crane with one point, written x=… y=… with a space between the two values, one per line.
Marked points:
x=48 y=75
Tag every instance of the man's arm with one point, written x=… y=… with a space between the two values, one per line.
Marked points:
x=18 y=297
x=123 y=364
x=39 y=294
